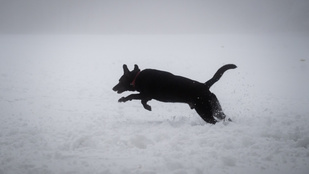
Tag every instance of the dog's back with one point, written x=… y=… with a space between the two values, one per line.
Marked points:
x=166 y=87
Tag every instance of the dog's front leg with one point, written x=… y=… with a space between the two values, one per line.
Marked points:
x=131 y=97
x=146 y=106
x=137 y=97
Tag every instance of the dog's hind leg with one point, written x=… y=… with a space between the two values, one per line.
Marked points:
x=216 y=108
x=205 y=113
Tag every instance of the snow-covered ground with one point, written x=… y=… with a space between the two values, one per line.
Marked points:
x=60 y=115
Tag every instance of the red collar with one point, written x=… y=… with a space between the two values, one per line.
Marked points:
x=133 y=82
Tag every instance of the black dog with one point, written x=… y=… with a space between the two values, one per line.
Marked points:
x=166 y=87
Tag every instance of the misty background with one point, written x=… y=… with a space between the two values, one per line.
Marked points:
x=153 y=17
x=59 y=60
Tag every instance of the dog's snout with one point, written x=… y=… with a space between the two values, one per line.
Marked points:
x=118 y=88
x=115 y=88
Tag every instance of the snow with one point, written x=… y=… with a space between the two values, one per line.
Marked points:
x=60 y=115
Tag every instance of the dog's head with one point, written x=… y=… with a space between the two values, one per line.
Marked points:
x=125 y=81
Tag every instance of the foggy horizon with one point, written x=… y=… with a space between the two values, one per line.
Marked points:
x=152 y=17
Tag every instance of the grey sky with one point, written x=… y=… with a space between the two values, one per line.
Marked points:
x=153 y=17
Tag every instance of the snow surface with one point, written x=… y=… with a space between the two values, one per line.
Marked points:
x=60 y=115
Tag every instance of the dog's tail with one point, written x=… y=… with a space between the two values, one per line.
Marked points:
x=219 y=74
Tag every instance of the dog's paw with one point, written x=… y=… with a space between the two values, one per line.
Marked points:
x=122 y=99
x=227 y=121
x=147 y=107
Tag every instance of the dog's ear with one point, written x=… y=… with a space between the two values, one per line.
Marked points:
x=136 y=68
x=125 y=69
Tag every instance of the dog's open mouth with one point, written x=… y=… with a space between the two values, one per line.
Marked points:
x=118 y=91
